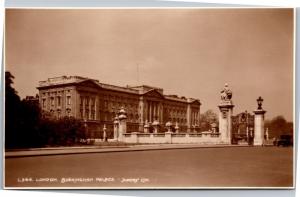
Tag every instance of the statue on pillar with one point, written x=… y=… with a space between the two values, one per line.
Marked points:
x=226 y=94
x=226 y=111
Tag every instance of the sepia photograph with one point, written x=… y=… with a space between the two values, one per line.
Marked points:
x=149 y=98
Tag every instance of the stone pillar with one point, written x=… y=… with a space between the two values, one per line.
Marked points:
x=188 y=117
x=169 y=125
x=259 y=116
x=226 y=110
x=83 y=108
x=198 y=117
x=176 y=128
x=168 y=137
x=95 y=108
x=161 y=113
x=146 y=112
x=150 y=113
x=134 y=137
x=116 y=128
x=158 y=112
x=146 y=127
x=155 y=125
x=141 y=112
x=122 y=124
x=154 y=112
x=90 y=108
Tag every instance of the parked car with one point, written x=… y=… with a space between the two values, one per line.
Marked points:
x=284 y=140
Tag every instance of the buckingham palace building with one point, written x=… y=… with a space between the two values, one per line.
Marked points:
x=97 y=104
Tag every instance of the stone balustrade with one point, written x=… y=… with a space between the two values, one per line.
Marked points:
x=168 y=137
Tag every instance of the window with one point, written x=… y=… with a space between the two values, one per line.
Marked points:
x=93 y=102
x=69 y=112
x=87 y=114
x=87 y=101
x=58 y=101
x=81 y=100
x=52 y=101
x=58 y=114
x=44 y=103
x=93 y=115
x=68 y=100
x=81 y=114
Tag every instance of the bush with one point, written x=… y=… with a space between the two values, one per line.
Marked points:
x=61 y=132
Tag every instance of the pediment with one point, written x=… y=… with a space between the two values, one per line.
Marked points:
x=154 y=94
x=88 y=83
x=197 y=102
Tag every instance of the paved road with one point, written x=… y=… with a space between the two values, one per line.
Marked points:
x=198 y=167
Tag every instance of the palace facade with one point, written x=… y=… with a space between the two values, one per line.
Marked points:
x=97 y=104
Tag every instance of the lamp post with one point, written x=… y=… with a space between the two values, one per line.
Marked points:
x=259 y=103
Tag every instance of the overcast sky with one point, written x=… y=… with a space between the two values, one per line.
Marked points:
x=188 y=52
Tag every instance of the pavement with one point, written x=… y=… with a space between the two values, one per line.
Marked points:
x=105 y=149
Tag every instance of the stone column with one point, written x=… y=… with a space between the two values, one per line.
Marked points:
x=198 y=117
x=122 y=124
x=154 y=111
x=90 y=108
x=95 y=107
x=188 y=117
x=83 y=108
x=259 y=116
x=158 y=112
x=150 y=113
x=146 y=111
x=226 y=110
x=161 y=113
x=141 y=112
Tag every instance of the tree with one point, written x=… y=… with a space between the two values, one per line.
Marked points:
x=25 y=125
x=12 y=109
x=206 y=119
x=279 y=126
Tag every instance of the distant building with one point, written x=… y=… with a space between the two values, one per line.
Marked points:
x=33 y=100
x=97 y=104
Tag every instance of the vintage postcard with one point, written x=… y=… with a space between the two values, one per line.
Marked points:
x=149 y=98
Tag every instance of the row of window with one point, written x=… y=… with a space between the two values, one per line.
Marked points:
x=55 y=101
x=119 y=98
x=55 y=92
x=58 y=112
x=106 y=116
x=85 y=100
x=89 y=115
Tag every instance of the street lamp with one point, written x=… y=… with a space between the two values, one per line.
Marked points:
x=259 y=102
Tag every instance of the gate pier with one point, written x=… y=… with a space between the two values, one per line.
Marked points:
x=259 y=129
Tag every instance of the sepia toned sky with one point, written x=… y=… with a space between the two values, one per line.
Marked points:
x=188 y=52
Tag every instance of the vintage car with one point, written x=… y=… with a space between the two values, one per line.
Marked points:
x=284 y=140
